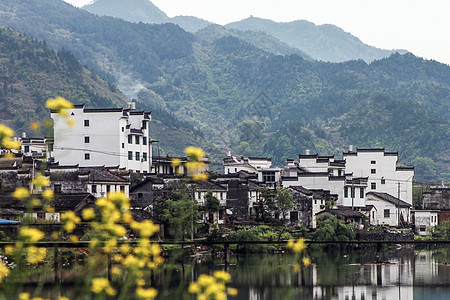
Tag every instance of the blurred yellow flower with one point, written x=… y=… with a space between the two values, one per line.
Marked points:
x=200 y=177
x=70 y=123
x=146 y=294
x=297 y=246
x=176 y=162
x=222 y=276
x=21 y=193
x=31 y=235
x=194 y=152
x=102 y=284
x=88 y=214
x=36 y=254
x=35 y=126
x=5 y=131
x=306 y=261
x=47 y=194
x=4 y=271
x=40 y=181
x=58 y=104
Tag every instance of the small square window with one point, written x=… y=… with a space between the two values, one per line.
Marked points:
x=130 y=155
x=387 y=213
x=140 y=195
x=27 y=149
x=87 y=156
x=383 y=181
x=144 y=156
x=86 y=123
x=138 y=156
x=86 y=140
x=373 y=162
x=373 y=171
x=122 y=188
x=57 y=188
x=373 y=185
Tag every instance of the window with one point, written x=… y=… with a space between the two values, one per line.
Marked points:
x=144 y=124
x=130 y=139
x=422 y=228
x=57 y=188
x=361 y=193
x=140 y=195
x=345 y=192
x=353 y=192
x=94 y=188
x=144 y=156
x=373 y=185
x=387 y=213
x=123 y=129
x=137 y=139
x=130 y=155
x=87 y=156
x=86 y=123
x=373 y=162
x=27 y=149
x=108 y=188
x=123 y=145
x=373 y=171
x=144 y=140
x=138 y=156
x=221 y=214
x=86 y=140
x=122 y=188
x=294 y=216
x=383 y=181
x=268 y=176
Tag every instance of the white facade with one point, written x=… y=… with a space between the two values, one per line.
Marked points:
x=381 y=169
x=388 y=213
x=425 y=221
x=260 y=166
x=109 y=137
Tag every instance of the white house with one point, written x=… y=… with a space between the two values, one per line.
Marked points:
x=37 y=147
x=103 y=137
x=425 y=220
x=260 y=166
x=380 y=167
x=390 y=210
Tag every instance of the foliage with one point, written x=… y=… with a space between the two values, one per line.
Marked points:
x=442 y=231
x=181 y=213
x=285 y=201
x=212 y=204
x=332 y=229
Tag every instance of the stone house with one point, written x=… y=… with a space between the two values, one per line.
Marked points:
x=390 y=210
x=438 y=198
x=424 y=221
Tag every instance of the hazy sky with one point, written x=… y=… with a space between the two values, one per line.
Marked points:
x=420 y=26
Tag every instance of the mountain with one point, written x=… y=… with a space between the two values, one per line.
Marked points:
x=130 y=10
x=258 y=39
x=32 y=72
x=142 y=11
x=323 y=42
x=189 y=23
x=225 y=93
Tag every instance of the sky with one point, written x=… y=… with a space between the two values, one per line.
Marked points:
x=419 y=26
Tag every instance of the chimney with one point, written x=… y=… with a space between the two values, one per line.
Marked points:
x=229 y=152
x=131 y=105
x=308 y=152
x=24 y=135
x=350 y=148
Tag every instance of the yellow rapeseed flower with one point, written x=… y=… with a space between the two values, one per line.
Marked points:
x=232 y=291
x=4 y=271
x=35 y=202
x=31 y=235
x=5 y=131
x=194 y=152
x=88 y=214
x=70 y=220
x=222 y=276
x=70 y=123
x=306 y=261
x=100 y=285
x=47 y=194
x=49 y=209
x=176 y=162
x=40 y=181
x=36 y=255
x=21 y=193
x=74 y=239
x=24 y=296
x=297 y=246
x=9 y=250
x=200 y=177
x=58 y=104
x=35 y=126
x=10 y=144
x=146 y=294
x=63 y=298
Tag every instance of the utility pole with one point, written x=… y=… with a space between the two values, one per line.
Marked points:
x=398 y=204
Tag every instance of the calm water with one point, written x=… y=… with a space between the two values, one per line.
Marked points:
x=334 y=274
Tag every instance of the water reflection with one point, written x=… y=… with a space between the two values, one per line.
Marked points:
x=334 y=274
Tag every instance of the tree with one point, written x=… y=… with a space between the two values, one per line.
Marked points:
x=266 y=204
x=212 y=204
x=285 y=202
x=181 y=213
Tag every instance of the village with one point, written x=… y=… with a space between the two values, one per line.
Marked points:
x=109 y=150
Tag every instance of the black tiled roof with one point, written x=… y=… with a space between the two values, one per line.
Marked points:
x=390 y=198
x=343 y=212
x=302 y=190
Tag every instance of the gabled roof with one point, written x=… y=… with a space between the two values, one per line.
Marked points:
x=209 y=186
x=64 y=202
x=343 y=212
x=390 y=199
x=101 y=174
x=367 y=208
x=302 y=190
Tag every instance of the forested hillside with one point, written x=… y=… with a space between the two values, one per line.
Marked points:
x=249 y=100
x=31 y=72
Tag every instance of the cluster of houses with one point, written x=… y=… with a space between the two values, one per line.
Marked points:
x=105 y=149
